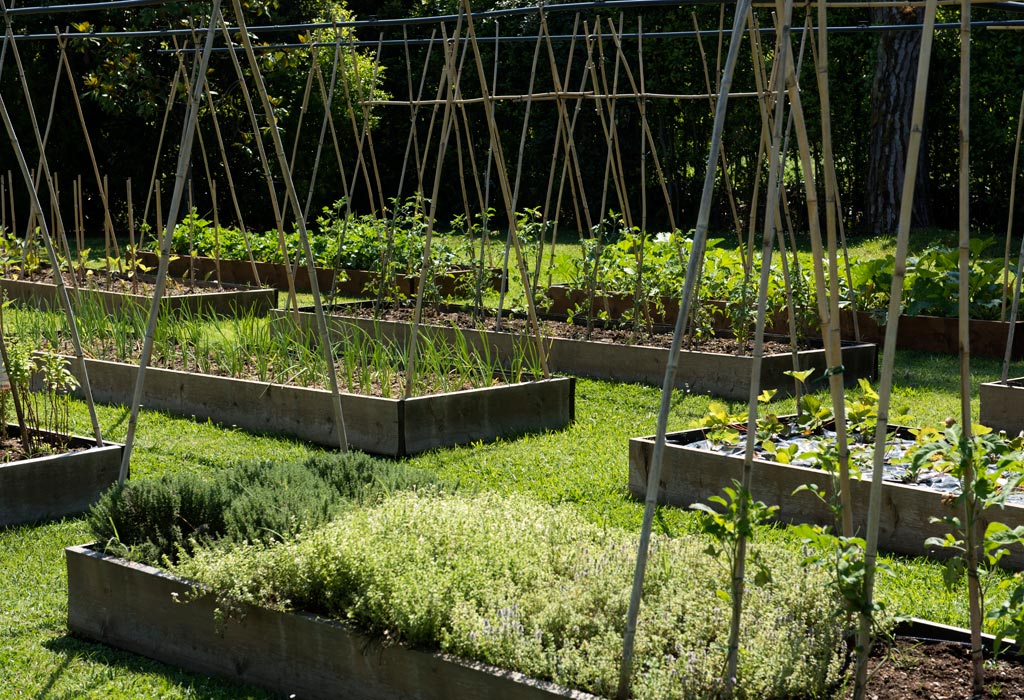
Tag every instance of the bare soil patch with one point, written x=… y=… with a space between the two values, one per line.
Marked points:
x=914 y=670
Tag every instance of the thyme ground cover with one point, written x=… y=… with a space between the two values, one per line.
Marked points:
x=535 y=588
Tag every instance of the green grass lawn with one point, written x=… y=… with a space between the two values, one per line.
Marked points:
x=583 y=467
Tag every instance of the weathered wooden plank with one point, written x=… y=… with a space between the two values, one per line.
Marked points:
x=377 y=425
x=690 y=476
x=1002 y=405
x=149 y=612
x=231 y=301
x=44 y=488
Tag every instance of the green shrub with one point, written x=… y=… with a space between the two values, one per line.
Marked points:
x=534 y=588
x=255 y=501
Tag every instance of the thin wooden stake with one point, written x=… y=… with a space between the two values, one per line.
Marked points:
x=697 y=252
x=62 y=292
x=1013 y=201
x=863 y=644
x=275 y=133
x=181 y=173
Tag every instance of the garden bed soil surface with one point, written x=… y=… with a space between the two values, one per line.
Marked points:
x=357 y=283
x=612 y=353
x=912 y=669
x=116 y=291
x=555 y=327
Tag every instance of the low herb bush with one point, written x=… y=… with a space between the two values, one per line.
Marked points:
x=538 y=589
x=155 y=520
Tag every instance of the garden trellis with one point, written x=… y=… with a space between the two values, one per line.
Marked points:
x=463 y=92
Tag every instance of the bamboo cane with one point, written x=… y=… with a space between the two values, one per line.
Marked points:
x=181 y=171
x=159 y=149
x=257 y=133
x=1008 y=353
x=43 y=169
x=231 y=184
x=328 y=100
x=726 y=180
x=832 y=328
x=554 y=163
x=506 y=193
x=411 y=145
x=971 y=534
x=133 y=260
x=447 y=121
x=1013 y=199
x=697 y=252
x=62 y=292
x=107 y=221
x=275 y=134
x=863 y=644
x=783 y=59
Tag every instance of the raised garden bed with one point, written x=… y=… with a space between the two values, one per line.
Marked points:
x=150 y=612
x=724 y=375
x=356 y=282
x=203 y=297
x=565 y=300
x=391 y=427
x=1002 y=405
x=690 y=475
x=53 y=486
x=939 y=334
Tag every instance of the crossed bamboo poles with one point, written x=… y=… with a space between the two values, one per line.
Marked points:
x=773 y=91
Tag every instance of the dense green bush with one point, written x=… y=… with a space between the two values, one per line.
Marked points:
x=526 y=586
x=256 y=501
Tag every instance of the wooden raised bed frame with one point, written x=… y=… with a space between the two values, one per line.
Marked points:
x=53 y=486
x=390 y=427
x=727 y=376
x=150 y=612
x=939 y=334
x=232 y=300
x=274 y=275
x=690 y=476
x=1002 y=405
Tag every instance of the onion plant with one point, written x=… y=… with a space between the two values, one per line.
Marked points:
x=246 y=347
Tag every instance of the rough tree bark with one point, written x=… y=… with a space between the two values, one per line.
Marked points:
x=892 y=96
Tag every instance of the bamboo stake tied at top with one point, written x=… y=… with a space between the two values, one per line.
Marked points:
x=863 y=642
x=181 y=172
x=696 y=254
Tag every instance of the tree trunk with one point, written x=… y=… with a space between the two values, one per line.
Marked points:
x=892 y=96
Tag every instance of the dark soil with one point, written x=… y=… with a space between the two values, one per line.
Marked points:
x=12 y=449
x=657 y=336
x=912 y=670
x=116 y=282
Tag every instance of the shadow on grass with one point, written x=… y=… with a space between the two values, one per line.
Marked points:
x=73 y=649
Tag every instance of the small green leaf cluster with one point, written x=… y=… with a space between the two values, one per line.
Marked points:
x=153 y=520
x=538 y=589
x=932 y=283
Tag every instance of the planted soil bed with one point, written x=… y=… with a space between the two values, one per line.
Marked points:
x=691 y=473
x=40 y=291
x=916 y=669
x=393 y=427
x=1002 y=405
x=611 y=353
x=49 y=486
x=356 y=283
x=150 y=612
